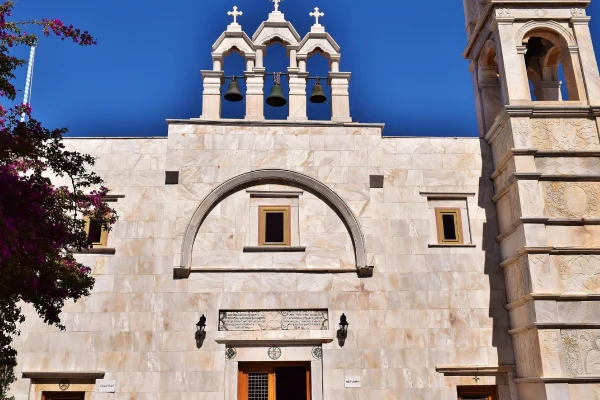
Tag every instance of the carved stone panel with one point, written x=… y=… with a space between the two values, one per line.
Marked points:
x=568 y=165
x=501 y=144
x=540 y=273
x=521 y=130
x=580 y=273
x=276 y=320
x=572 y=199
x=581 y=351
x=564 y=134
x=529 y=194
x=571 y=352
x=550 y=352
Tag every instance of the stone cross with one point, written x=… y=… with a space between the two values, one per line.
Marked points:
x=317 y=14
x=276 y=4
x=235 y=13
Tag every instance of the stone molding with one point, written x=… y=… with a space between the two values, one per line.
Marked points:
x=276 y=176
x=272 y=122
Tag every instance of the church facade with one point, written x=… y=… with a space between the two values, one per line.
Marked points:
x=258 y=259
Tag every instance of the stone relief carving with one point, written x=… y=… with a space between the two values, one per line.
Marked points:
x=503 y=12
x=572 y=200
x=579 y=273
x=541 y=273
x=578 y=12
x=501 y=144
x=590 y=346
x=571 y=355
x=568 y=165
x=529 y=200
x=521 y=129
x=564 y=134
x=549 y=341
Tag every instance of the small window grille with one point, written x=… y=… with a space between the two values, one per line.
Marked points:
x=258 y=386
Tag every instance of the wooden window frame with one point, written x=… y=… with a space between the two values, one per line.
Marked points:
x=245 y=369
x=262 y=220
x=103 y=234
x=490 y=391
x=439 y=213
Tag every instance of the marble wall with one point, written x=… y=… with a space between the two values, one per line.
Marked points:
x=424 y=307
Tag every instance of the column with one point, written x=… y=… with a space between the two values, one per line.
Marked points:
x=340 y=97
x=511 y=64
x=211 y=96
x=297 y=94
x=255 y=84
x=588 y=58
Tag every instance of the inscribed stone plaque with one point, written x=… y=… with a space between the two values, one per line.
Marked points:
x=274 y=320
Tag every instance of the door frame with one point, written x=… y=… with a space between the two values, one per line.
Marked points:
x=270 y=368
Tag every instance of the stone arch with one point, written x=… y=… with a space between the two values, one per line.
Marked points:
x=551 y=30
x=276 y=176
x=561 y=50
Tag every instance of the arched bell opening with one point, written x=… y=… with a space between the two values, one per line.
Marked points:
x=551 y=70
x=490 y=85
x=276 y=61
x=234 y=88
x=317 y=65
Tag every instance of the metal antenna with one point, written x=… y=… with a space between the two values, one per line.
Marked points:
x=29 y=81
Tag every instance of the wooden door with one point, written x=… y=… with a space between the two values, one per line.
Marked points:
x=258 y=381
x=63 y=396
x=477 y=393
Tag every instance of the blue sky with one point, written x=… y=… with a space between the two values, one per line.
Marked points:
x=405 y=58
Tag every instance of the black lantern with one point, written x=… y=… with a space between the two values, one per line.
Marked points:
x=201 y=326
x=344 y=325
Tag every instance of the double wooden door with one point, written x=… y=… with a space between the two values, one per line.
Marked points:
x=274 y=381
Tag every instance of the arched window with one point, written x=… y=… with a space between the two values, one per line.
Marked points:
x=550 y=69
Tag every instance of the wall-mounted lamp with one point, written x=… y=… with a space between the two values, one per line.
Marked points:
x=200 y=331
x=342 y=333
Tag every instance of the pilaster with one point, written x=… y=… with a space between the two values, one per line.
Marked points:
x=255 y=98
x=589 y=64
x=211 y=97
x=297 y=100
x=340 y=96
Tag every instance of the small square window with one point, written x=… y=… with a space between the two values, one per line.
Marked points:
x=449 y=226
x=274 y=226
x=97 y=235
x=477 y=393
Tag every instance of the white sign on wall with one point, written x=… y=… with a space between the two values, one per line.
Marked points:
x=352 y=382
x=106 y=386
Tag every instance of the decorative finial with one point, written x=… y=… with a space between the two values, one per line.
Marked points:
x=235 y=13
x=317 y=15
x=276 y=4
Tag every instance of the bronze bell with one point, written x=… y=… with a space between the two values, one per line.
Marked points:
x=276 y=98
x=318 y=96
x=535 y=50
x=233 y=91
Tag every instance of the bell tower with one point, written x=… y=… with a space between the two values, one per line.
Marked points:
x=537 y=92
x=276 y=29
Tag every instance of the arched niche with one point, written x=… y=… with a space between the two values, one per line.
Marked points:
x=282 y=177
x=319 y=42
